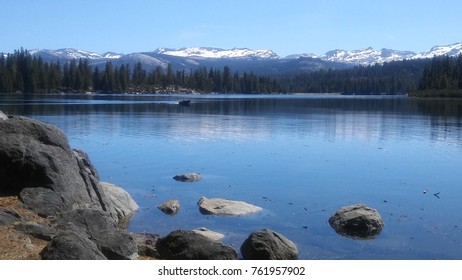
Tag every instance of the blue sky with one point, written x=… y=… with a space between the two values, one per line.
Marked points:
x=286 y=27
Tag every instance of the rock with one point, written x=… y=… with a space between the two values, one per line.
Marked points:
x=119 y=203
x=3 y=117
x=44 y=201
x=268 y=245
x=189 y=245
x=215 y=236
x=37 y=230
x=8 y=217
x=37 y=155
x=146 y=243
x=170 y=207
x=113 y=242
x=71 y=246
x=189 y=177
x=224 y=207
x=62 y=184
x=357 y=221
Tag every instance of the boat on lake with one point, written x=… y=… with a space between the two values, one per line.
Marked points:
x=184 y=102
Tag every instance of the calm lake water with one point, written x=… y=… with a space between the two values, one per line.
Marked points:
x=300 y=157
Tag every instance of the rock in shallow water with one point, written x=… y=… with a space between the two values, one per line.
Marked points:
x=170 y=207
x=119 y=203
x=189 y=177
x=357 y=221
x=224 y=207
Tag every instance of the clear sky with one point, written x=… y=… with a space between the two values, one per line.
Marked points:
x=284 y=26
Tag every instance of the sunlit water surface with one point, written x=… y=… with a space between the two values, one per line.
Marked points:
x=299 y=157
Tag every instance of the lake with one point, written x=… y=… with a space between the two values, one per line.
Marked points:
x=299 y=157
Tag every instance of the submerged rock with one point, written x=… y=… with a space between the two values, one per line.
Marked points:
x=189 y=177
x=268 y=245
x=170 y=207
x=224 y=207
x=189 y=245
x=357 y=221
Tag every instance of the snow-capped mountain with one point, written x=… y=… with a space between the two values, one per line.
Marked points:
x=450 y=50
x=241 y=53
x=367 y=56
x=243 y=59
x=70 y=53
x=371 y=56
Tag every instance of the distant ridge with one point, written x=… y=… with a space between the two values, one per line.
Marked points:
x=260 y=61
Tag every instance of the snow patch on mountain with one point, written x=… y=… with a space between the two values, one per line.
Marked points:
x=70 y=53
x=219 y=53
x=366 y=56
x=450 y=50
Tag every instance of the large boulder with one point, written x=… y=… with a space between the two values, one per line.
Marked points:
x=71 y=246
x=37 y=155
x=357 y=221
x=188 y=177
x=225 y=207
x=57 y=182
x=37 y=163
x=189 y=245
x=99 y=227
x=268 y=245
x=170 y=207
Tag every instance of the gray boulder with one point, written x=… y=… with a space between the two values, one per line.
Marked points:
x=119 y=203
x=99 y=227
x=224 y=207
x=55 y=181
x=189 y=177
x=170 y=207
x=37 y=155
x=44 y=201
x=71 y=246
x=357 y=221
x=268 y=245
x=189 y=245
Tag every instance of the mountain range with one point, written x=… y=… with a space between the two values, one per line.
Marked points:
x=243 y=59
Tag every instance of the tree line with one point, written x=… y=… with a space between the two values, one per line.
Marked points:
x=22 y=72
x=442 y=76
x=396 y=77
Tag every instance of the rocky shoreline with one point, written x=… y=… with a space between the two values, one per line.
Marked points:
x=54 y=206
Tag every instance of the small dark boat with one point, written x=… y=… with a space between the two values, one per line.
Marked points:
x=184 y=102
